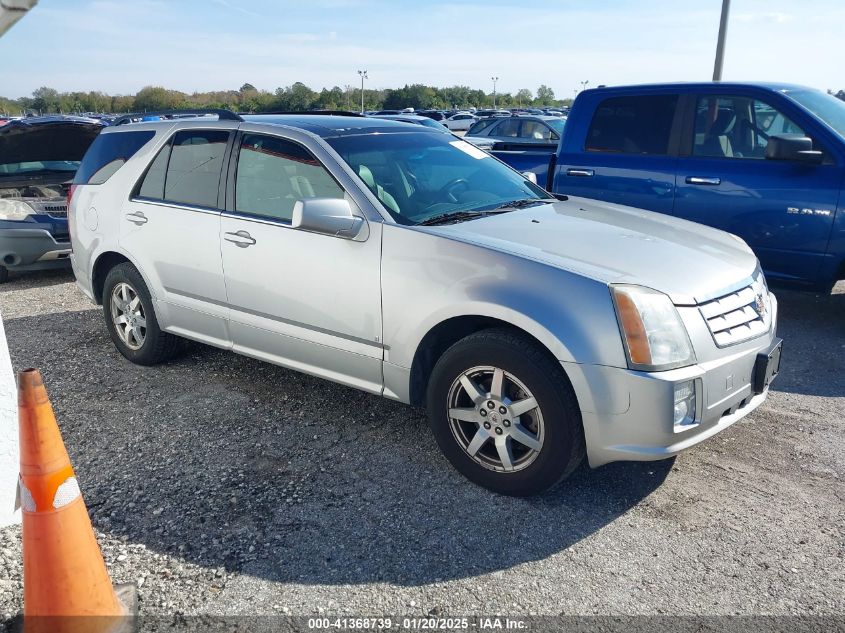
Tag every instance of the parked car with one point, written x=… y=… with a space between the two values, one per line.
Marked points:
x=763 y=161
x=460 y=121
x=38 y=159
x=409 y=264
x=519 y=130
x=415 y=119
x=436 y=115
x=486 y=114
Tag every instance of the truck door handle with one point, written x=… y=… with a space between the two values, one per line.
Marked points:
x=137 y=218
x=696 y=180
x=583 y=173
x=241 y=239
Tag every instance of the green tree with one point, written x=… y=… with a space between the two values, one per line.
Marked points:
x=158 y=98
x=524 y=97
x=45 y=100
x=545 y=95
x=247 y=87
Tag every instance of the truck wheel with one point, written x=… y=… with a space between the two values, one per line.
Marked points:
x=131 y=320
x=4 y=274
x=504 y=413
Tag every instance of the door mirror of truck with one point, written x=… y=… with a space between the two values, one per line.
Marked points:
x=795 y=147
x=530 y=176
x=329 y=216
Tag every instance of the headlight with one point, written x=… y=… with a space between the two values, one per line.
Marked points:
x=15 y=210
x=654 y=335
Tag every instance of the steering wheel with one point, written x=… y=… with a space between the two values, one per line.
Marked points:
x=450 y=186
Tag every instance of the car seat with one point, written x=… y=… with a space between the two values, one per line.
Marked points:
x=388 y=200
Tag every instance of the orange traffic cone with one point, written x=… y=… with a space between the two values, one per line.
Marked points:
x=66 y=585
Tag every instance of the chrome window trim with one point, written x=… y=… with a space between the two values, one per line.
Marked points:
x=176 y=205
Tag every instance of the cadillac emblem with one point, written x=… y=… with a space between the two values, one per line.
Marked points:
x=760 y=305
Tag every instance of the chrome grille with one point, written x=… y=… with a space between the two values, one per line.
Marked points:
x=741 y=315
x=53 y=209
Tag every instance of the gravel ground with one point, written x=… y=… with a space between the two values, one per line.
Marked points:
x=223 y=485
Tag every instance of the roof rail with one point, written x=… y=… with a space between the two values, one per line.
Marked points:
x=319 y=112
x=222 y=115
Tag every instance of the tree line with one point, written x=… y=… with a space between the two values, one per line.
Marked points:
x=296 y=97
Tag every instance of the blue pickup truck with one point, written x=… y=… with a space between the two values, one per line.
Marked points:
x=763 y=161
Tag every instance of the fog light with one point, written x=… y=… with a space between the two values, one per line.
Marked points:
x=684 y=414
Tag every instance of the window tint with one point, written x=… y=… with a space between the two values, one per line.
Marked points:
x=507 y=128
x=633 y=125
x=480 y=126
x=273 y=174
x=107 y=154
x=537 y=131
x=152 y=186
x=737 y=127
x=193 y=172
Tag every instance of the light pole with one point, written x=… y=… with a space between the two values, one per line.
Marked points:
x=494 y=80
x=348 y=96
x=363 y=74
x=720 y=44
x=584 y=84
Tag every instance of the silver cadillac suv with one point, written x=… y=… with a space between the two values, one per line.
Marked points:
x=413 y=265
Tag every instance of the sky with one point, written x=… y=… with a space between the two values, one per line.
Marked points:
x=120 y=46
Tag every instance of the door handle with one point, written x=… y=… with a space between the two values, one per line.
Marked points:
x=137 y=218
x=582 y=173
x=241 y=239
x=696 y=180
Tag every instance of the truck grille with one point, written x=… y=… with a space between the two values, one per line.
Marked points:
x=741 y=315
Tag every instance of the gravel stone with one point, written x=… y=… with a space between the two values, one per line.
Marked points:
x=223 y=485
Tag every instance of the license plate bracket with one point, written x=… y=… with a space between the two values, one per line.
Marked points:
x=767 y=366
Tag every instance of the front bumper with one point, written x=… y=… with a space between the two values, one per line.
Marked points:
x=628 y=415
x=33 y=249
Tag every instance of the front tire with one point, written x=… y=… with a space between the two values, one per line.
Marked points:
x=131 y=320
x=4 y=274
x=504 y=413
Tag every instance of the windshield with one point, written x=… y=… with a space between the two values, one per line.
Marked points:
x=827 y=107
x=419 y=175
x=32 y=167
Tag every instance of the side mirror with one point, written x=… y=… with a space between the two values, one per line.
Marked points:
x=530 y=176
x=329 y=216
x=793 y=147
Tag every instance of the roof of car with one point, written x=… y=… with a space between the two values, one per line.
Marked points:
x=701 y=84
x=330 y=126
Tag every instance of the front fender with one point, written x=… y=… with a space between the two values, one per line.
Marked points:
x=428 y=279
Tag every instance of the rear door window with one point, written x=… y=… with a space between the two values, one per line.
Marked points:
x=108 y=153
x=193 y=171
x=633 y=125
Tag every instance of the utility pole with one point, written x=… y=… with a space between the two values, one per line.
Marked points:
x=363 y=74
x=720 y=44
x=348 y=89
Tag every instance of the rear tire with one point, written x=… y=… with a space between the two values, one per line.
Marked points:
x=4 y=274
x=131 y=320
x=521 y=433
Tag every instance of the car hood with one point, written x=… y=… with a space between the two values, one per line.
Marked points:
x=46 y=139
x=615 y=244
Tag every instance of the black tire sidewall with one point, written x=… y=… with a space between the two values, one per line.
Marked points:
x=547 y=383
x=127 y=273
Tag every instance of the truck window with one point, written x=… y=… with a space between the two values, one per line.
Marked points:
x=737 y=127
x=633 y=125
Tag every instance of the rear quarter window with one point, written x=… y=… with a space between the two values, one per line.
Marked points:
x=108 y=153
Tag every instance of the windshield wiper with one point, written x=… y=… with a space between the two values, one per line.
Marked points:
x=520 y=204
x=452 y=216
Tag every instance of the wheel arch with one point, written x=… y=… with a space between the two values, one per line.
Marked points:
x=103 y=264
x=446 y=333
